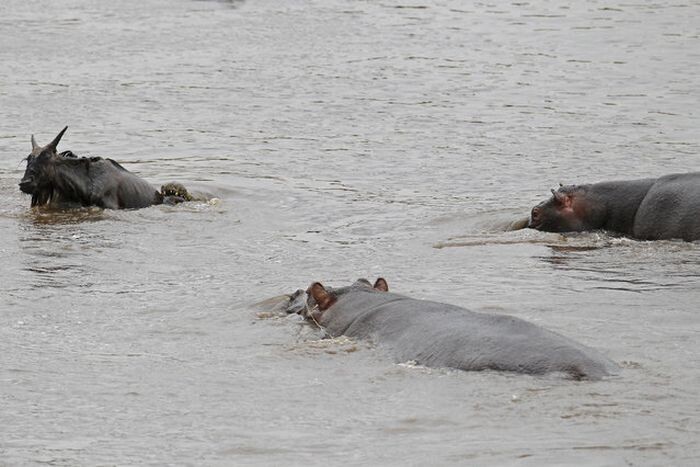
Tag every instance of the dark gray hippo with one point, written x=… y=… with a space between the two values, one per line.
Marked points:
x=648 y=209
x=439 y=335
x=64 y=180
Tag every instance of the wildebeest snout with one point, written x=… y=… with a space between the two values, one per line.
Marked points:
x=27 y=185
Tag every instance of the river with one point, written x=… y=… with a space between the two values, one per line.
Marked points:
x=337 y=140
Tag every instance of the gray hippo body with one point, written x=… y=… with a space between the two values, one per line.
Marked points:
x=671 y=209
x=648 y=209
x=440 y=335
x=64 y=180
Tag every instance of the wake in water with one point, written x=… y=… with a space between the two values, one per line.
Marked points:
x=508 y=228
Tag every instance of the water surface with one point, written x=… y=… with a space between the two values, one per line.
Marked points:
x=342 y=140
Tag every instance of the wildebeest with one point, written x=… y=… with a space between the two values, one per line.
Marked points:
x=64 y=180
x=440 y=335
x=647 y=209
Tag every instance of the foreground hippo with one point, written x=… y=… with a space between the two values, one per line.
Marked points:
x=647 y=209
x=65 y=180
x=440 y=335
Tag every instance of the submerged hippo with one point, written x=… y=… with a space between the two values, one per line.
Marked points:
x=440 y=335
x=647 y=209
x=65 y=180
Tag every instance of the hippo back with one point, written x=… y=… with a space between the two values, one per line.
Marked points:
x=671 y=209
x=440 y=335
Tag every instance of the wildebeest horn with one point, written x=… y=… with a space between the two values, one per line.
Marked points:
x=34 y=145
x=53 y=144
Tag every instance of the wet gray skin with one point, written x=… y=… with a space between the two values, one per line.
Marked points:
x=63 y=180
x=441 y=335
x=297 y=303
x=647 y=209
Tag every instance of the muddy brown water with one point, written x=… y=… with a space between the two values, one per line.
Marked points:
x=341 y=140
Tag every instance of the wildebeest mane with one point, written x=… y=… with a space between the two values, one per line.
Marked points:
x=117 y=165
x=70 y=156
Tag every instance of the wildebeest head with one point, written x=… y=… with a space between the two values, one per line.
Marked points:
x=39 y=178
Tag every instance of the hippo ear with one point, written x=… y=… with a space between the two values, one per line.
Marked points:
x=53 y=144
x=381 y=285
x=321 y=296
x=34 y=145
x=362 y=282
x=562 y=199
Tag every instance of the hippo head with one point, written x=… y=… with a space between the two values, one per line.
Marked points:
x=317 y=298
x=566 y=211
x=39 y=175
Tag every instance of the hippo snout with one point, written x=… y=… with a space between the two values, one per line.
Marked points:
x=297 y=302
x=535 y=218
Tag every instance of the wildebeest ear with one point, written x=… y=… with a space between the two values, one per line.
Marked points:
x=53 y=144
x=321 y=296
x=34 y=145
x=381 y=285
